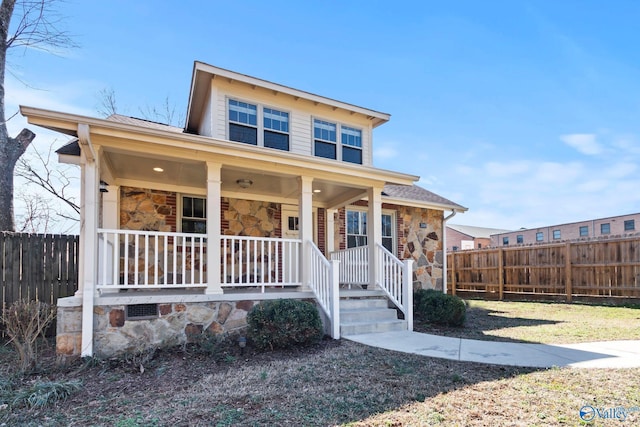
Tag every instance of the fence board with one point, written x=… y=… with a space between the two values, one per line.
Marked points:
x=37 y=266
x=602 y=269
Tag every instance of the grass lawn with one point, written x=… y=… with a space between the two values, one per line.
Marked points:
x=540 y=322
x=334 y=383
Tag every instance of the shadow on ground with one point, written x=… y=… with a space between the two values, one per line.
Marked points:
x=478 y=320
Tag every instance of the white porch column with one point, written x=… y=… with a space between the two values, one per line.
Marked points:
x=305 y=222
x=374 y=231
x=331 y=230
x=110 y=214
x=214 y=219
x=88 y=248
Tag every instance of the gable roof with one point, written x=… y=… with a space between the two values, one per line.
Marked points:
x=476 y=232
x=418 y=194
x=201 y=82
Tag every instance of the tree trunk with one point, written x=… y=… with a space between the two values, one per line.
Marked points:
x=10 y=151
x=10 y=148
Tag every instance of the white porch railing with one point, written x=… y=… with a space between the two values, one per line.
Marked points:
x=323 y=278
x=260 y=261
x=354 y=265
x=394 y=277
x=130 y=259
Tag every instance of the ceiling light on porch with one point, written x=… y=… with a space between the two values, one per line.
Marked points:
x=317 y=191
x=244 y=183
x=157 y=169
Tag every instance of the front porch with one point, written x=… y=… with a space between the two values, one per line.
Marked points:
x=136 y=266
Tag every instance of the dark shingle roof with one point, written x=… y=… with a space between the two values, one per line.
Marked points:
x=70 y=149
x=416 y=193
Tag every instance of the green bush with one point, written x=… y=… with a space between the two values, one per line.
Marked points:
x=284 y=323
x=435 y=307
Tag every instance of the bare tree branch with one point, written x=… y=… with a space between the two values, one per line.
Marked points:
x=107 y=105
x=39 y=26
x=56 y=182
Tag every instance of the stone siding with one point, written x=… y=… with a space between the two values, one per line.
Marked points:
x=422 y=242
x=148 y=210
x=176 y=324
x=250 y=218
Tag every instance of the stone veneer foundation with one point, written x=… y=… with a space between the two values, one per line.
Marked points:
x=176 y=324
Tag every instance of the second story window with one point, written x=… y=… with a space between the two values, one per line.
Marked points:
x=539 y=236
x=605 y=228
x=325 y=141
x=351 y=145
x=243 y=122
x=629 y=225
x=276 y=129
x=556 y=234
x=327 y=145
x=505 y=241
x=584 y=231
x=258 y=125
x=519 y=238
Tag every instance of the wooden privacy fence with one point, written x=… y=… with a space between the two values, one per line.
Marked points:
x=594 y=269
x=37 y=266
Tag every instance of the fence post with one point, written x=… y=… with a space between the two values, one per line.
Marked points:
x=500 y=274
x=454 y=283
x=567 y=272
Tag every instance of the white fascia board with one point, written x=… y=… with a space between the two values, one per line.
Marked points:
x=68 y=123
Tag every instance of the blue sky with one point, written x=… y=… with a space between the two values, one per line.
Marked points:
x=526 y=112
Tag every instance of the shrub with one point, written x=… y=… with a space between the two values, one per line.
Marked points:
x=283 y=324
x=45 y=393
x=25 y=322
x=435 y=307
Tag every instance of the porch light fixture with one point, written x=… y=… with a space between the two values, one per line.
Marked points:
x=103 y=187
x=244 y=183
x=157 y=169
x=317 y=191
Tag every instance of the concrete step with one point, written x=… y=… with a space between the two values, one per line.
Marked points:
x=357 y=328
x=367 y=316
x=363 y=303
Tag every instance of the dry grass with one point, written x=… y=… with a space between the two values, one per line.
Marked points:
x=335 y=383
x=547 y=323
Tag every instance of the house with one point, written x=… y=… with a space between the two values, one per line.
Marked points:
x=463 y=237
x=268 y=192
x=614 y=226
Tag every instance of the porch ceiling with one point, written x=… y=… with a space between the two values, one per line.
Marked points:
x=191 y=175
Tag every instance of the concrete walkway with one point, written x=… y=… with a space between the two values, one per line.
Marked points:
x=606 y=354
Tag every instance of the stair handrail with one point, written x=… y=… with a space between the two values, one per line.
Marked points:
x=324 y=282
x=394 y=278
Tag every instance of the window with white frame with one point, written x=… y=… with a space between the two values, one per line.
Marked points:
x=351 y=145
x=258 y=125
x=194 y=214
x=325 y=140
x=357 y=230
x=556 y=234
x=276 y=129
x=243 y=122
